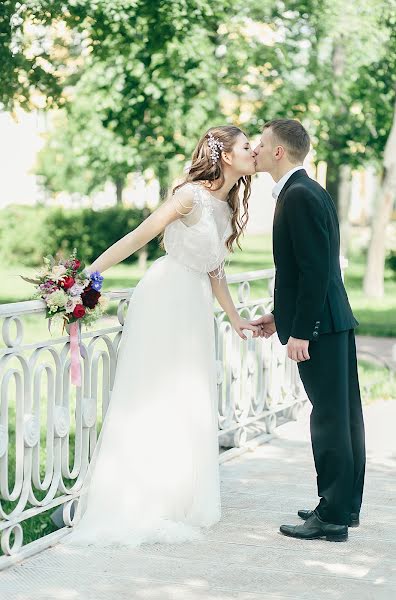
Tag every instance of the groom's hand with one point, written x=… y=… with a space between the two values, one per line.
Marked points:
x=265 y=326
x=298 y=349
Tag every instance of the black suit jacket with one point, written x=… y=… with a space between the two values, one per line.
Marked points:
x=309 y=295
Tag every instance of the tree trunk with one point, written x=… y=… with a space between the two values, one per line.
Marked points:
x=333 y=166
x=142 y=260
x=374 y=275
x=143 y=252
x=344 y=203
x=119 y=183
x=163 y=179
x=339 y=176
x=333 y=182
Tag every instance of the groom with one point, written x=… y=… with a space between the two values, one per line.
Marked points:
x=313 y=317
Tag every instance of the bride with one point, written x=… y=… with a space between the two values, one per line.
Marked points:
x=154 y=473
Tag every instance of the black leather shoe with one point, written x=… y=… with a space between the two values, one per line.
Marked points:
x=354 y=522
x=314 y=529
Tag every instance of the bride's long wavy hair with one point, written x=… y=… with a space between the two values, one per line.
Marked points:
x=203 y=169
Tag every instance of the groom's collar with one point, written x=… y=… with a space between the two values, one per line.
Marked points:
x=287 y=179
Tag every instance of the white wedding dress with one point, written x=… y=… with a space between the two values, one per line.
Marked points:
x=154 y=474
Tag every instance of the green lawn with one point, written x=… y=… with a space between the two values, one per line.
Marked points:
x=376 y=317
x=376 y=382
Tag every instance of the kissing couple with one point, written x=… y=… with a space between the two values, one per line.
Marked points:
x=154 y=474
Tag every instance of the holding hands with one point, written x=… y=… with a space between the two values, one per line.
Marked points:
x=239 y=325
x=265 y=326
x=297 y=349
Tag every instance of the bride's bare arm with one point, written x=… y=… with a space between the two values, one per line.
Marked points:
x=221 y=291
x=180 y=204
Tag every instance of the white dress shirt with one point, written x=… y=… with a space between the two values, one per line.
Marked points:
x=281 y=183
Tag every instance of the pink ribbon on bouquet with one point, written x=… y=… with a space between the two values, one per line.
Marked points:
x=75 y=355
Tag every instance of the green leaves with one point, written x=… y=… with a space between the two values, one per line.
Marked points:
x=143 y=89
x=140 y=80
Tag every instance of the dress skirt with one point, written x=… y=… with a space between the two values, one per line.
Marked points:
x=154 y=475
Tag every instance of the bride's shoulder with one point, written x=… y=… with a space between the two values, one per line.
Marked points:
x=186 y=197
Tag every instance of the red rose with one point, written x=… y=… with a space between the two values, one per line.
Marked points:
x=90 y=297
x=79 y=311
x=67 y=282
x=76 y=263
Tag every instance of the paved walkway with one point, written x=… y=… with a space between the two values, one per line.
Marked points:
x=377 y=349
x=245 y=557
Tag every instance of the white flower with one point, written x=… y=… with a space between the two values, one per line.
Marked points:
x=57 y=299
x=44 y=272
x=76 y=289
x=58 y=271
x=72 y=303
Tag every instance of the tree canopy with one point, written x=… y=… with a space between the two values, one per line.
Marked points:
x=139 y=81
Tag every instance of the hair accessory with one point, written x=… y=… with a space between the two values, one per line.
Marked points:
x=215 y=147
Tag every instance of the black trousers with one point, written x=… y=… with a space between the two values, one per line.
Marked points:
x=331 y=381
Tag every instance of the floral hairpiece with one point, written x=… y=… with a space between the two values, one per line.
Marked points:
x=215 y=147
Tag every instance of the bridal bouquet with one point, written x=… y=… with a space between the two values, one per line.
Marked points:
x=71 y=294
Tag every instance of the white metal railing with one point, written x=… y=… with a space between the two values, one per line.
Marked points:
x=49 y=429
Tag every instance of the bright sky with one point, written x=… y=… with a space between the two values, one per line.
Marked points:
x=19 y=144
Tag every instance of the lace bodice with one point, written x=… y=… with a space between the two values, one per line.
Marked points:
x=197 y=239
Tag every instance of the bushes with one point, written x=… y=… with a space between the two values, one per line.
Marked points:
x=29 y=233
x=22 y=233
x=390 y=262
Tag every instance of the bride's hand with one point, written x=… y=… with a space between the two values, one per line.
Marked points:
x=239 y=324
x=265 y=326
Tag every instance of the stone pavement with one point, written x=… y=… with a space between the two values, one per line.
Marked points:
x=245 y=557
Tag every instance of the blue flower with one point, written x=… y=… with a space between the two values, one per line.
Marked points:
x=96 y=280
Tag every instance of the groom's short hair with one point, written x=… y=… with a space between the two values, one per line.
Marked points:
x=291 y=134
